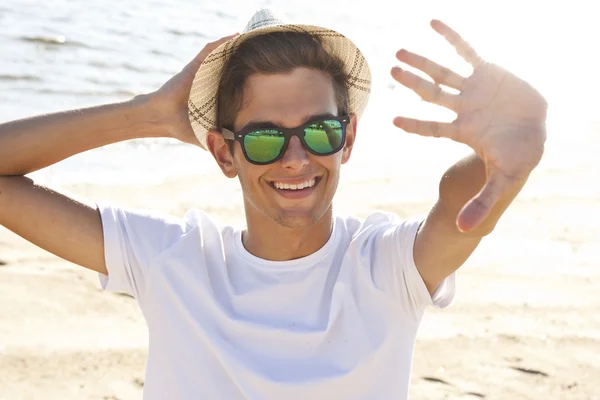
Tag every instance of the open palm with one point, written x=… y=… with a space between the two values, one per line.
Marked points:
x=500 y=116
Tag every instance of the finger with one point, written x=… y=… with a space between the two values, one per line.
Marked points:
x=439 y=74
x=213 y=45
x=427 y=90
x=463 y=48
x=427 y=128
x=201 y=56
x=480 y=206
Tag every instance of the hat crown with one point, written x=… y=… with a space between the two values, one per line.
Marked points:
x=261 y=19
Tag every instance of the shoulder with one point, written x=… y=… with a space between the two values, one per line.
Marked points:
x=378 y=222
x=198 y=219
x=156 y=223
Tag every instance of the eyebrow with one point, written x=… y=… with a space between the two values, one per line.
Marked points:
x=272 y=124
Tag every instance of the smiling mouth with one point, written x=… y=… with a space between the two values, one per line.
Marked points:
x=305 y=187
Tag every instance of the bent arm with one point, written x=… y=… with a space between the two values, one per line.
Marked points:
x=68 y=228
x=64 y=226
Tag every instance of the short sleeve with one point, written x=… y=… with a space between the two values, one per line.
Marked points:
x=395 y=244
x=132 y=240
x=406 y=234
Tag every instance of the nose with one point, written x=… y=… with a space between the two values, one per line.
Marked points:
x=296 y=156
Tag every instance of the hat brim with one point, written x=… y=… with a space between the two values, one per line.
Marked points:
x=202 y=104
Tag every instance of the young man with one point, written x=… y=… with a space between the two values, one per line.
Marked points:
x=300 y=303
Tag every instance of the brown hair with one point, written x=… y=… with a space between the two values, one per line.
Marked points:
x=275 y=53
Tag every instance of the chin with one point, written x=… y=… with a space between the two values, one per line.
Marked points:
x=296 y=221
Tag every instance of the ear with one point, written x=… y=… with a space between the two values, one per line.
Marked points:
x=350 y=138
x=218 y=147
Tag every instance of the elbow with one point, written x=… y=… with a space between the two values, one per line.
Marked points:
x=458 y=185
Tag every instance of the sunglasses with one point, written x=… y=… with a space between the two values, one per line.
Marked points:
x=321 y=137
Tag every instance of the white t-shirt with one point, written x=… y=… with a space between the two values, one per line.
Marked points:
x=224 y=324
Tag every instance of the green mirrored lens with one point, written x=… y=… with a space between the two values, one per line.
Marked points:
x=263 y=145
x=324 y=137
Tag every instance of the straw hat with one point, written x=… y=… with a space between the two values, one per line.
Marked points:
x=202 y=105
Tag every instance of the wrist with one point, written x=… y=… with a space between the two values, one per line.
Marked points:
x=148 y=114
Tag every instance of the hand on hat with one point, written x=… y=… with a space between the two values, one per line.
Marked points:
x=170 y=102
x=499 y=116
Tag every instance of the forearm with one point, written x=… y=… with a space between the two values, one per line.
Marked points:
x=462 y=182
x=30 y=144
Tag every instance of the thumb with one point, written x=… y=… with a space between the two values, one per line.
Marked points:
x=480 y=206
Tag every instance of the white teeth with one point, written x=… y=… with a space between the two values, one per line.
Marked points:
x=299 y=186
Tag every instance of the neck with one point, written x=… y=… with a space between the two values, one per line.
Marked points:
x=266 y=239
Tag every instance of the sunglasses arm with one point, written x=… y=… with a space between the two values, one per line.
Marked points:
x=227 y=134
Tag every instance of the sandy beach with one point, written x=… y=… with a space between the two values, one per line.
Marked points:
x=525 y=323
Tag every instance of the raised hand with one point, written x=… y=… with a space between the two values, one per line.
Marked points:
x=501 y=117
x=171 y=100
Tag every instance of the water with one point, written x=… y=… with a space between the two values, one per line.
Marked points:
x=62 y=54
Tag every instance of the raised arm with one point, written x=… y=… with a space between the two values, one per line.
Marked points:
x=66 y=227
x=503 y=119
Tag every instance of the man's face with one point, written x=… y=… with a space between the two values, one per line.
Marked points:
x=290 y=100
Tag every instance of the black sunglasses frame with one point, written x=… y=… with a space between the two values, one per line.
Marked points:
x=288 y=133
